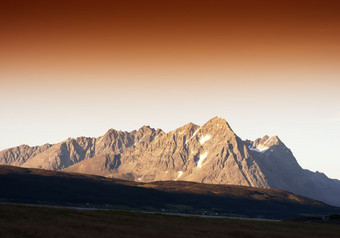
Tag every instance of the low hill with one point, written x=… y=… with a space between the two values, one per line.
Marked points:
x=36 y=186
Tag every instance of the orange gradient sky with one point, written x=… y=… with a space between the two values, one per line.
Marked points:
x=73 y=68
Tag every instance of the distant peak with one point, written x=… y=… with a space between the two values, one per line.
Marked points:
x=158 y=130
x=218 y=122
x=110 y=131
x=146 y=128
x=189 y=126
x=270 y=140
x=264 y=143
x=69 y=139
x=217 y=119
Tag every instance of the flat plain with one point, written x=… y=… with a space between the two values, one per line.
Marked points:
x=31 y=221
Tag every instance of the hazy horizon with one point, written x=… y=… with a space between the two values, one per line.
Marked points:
x=73 y=68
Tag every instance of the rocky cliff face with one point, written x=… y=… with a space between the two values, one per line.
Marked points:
x=211 y=153
x=73 y=151
x=18 y=155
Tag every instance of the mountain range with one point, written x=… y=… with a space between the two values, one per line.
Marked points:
x=211 y=154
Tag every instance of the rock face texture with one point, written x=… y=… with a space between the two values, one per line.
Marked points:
x=73 y=151
x=211 y=153
x=18 y=155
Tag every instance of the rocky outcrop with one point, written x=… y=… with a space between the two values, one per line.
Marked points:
x=19 y=155
x=73 y=151
x=211 y=153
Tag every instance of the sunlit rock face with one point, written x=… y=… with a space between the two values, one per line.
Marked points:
x=211 y=153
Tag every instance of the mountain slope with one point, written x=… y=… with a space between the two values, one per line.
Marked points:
x=59 y=188
x=72 y=151
x=282 y=171
x=211 y=153
x=20 y=154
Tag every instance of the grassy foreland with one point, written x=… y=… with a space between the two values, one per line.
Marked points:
x=45 y=222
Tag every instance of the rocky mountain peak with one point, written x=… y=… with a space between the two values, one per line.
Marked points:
x=216 y=120
x=187 y=130
x=145 y=128
x=218 y=128
x=218 y=123
x=20 y=154
x=146 y=134
x=269 y=141
x=190 y=126
x=110 y=134
x=266 y=142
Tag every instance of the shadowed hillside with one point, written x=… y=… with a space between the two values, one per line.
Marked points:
x=35 y=186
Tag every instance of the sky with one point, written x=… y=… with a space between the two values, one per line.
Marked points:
x=78 y=68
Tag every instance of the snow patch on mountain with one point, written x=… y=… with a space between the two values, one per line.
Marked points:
x=195 y=133
x=259 y=148
x=180 y=173
x=204 y=139
x=200 y=161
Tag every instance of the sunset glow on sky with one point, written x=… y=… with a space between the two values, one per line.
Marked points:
x=78 y=68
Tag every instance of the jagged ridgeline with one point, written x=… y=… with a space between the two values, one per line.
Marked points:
x=211 y=153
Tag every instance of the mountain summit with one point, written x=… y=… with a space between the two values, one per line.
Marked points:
x=211 y=153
